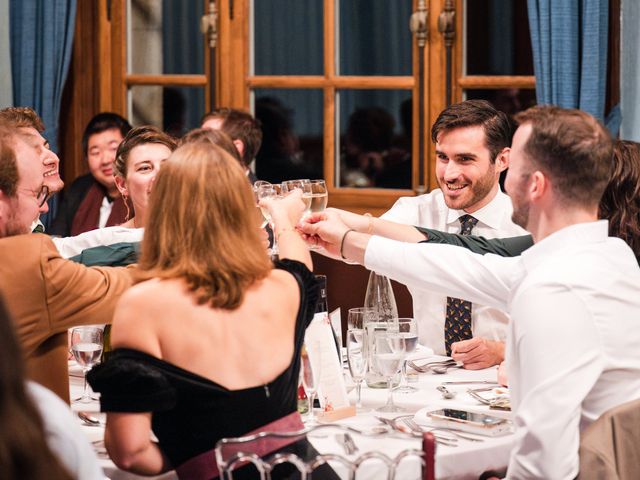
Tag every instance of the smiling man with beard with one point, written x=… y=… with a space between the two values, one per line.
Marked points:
x=574 y=296
x=472 y=142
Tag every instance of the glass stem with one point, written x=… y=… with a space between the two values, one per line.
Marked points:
x=85 y=392
x=403 y=375
x=358 y=390
x=274 y=247
x=390 y=396
x=312 y=397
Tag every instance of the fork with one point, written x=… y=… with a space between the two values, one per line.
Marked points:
x=415 y=428
x=427 y=367
x=347 y=443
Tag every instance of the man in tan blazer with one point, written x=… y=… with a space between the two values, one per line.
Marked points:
x=46 y=294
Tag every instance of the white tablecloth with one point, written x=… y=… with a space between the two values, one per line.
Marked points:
x=465 y=461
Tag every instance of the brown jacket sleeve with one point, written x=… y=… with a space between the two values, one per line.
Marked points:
x=47 y=295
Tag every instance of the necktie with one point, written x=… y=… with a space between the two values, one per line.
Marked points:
x=457 y=324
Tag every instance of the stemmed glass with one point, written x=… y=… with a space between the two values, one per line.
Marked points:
x=408 y=328
x=257 y=184
x=86 y=346
x=357 y=360
x=303 y=184
x=311 y=379
x=269 y=191
x=319 y=196
x=389 y=353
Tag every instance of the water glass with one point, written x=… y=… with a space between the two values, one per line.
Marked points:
x=389 y=353
x=408 y=328
x=86 y=346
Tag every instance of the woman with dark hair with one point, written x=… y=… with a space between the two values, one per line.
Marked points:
x=39 y=437
x=209 y=346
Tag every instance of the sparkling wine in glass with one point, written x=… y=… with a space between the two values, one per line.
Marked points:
x=304 y=185
x=256 y=185
x=389 y=353
x=357 y=360
x=86 y=346
x=407 y=328
x=311 y=378
x=269 y=191
x=319 y=196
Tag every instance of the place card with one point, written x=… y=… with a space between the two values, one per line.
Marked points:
x=321 y=349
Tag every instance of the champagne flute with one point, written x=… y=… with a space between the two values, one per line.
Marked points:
x=389 y=353
x=304 y=185
x=257 y=184
x=357 y=360
x=311 y=379
x=269 y=191
x=86 y=346
x=408 y=328
x=319 y=196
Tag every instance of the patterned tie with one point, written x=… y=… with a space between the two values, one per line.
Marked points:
x=457 y=323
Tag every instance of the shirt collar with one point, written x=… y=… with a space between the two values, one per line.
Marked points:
x=567 y=237
x=491 y=215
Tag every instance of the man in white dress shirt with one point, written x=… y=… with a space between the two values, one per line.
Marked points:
x=574 y=297
x=472 y=142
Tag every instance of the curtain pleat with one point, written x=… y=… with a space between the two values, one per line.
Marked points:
x=41 y=33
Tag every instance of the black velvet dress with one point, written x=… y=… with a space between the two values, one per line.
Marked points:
x=191 y=413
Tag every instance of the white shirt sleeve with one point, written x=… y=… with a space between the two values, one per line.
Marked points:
x=71 y=246
x=445 y=269
x=404 y=211
x=64 y=436
x=557 y=363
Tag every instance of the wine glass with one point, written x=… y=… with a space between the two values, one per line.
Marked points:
x=86 y=346
x=319 y=196
x=311 y=378
x=359 y=316
x=408 y=328
x=389 y=353
x=357 y=360
x=257 y=184
x=304 y=185
x=269 y=191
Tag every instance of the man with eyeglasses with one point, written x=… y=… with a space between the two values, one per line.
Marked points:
x=27 y=121
x=46 y=294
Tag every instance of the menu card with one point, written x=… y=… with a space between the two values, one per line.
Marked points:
x=321 y=348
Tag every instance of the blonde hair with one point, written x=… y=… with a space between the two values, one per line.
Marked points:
x=203 y=226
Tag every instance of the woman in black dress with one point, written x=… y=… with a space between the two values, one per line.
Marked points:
x=209 y=345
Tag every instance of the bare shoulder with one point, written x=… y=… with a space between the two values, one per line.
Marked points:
x=139 y=312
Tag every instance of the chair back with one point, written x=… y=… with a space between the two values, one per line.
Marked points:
x=610 y=446
x=233 y=453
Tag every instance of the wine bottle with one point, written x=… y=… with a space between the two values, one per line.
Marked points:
x=322 y=309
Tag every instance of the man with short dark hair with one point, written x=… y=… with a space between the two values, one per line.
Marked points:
x=242 y=128
x=93 y=200
x=472 y=142
x=574 y=297
x=45 y=293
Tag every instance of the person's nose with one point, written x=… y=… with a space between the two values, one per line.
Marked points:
x=453 y=172
x=51 y=159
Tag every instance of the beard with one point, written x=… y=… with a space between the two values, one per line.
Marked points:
x=476 y=192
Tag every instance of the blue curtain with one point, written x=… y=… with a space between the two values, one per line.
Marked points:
x=41 y=44
x=569 y=41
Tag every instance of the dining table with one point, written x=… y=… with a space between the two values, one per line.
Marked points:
x=458 y=459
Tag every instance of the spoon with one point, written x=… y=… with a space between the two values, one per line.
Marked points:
x=446 y=393
x=441 y=369
x=89 y=419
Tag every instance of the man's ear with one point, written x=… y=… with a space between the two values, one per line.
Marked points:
x=539 y=185
x=502 y=160
x=121 y=185
x=239 y=146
